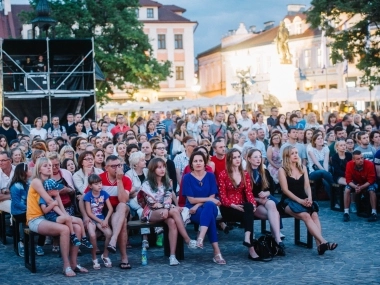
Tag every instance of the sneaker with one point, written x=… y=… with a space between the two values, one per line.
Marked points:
x=145 y=244
x=21 y=249
x=39 y=250
x=282 y=236
x=159 y=240
x=173 y=260
x=337 y=206
x=372 y=218
x=192 y=244
x=74 y=240
x=353 y=208
x=48 y=240
x=346 y=217
x=86 y=242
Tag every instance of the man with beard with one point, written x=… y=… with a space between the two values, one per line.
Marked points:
x=6 y=129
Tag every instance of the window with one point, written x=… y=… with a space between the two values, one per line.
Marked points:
x=161 y=42
x=178 y=41
x=149 y=13
x=331 y=86
x=307 y=61
x=179 y=73
x=319 y=58
x=137 y=13
x=298 y=29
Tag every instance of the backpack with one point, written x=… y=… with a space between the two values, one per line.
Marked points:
x=262 y=248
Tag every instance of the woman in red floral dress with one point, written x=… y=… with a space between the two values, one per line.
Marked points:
x=237 y=198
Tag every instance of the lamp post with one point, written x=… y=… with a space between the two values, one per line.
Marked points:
x=246 y=80
x=196 y=88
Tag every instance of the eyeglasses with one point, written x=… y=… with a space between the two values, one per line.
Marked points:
x=192 y=145
x=83 y=142
x=4 y=160
x=115 y=166
x=88 y=159
x=56 y=165
x=161 y=148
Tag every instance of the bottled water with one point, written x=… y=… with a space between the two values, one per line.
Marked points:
x=144 y=257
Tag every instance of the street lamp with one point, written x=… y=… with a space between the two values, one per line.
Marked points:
x=246 y=80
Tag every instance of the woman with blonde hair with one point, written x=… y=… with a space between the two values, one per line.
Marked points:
x=68 y=152
x=297 y=199
x=311 y=121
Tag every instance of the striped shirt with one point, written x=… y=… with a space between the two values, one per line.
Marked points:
x=111 y=188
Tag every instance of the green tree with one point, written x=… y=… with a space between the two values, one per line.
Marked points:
x=122 y=50
x=351 y=41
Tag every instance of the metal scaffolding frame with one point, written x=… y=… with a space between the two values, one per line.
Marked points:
x=47 y=92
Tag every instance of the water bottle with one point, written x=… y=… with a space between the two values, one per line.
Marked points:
x=144 y=257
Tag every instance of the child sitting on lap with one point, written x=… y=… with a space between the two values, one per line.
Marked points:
x=94 y=204
x=55 y=212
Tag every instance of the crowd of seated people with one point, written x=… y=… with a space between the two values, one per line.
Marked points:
x=104 y=172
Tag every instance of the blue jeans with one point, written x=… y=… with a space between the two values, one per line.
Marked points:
x=326 y=177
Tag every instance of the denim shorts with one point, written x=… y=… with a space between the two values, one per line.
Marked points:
x=33 y=224
x=372 y=187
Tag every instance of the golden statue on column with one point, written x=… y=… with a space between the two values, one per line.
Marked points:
x=282 y=44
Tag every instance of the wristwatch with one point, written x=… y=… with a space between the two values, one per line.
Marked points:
x=167 y=206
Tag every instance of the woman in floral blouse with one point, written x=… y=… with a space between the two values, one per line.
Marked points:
x=157 y=193
x=237 y=198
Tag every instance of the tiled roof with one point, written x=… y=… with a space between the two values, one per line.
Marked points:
x=175 y=8
x=10 y=25
x=165 y=15
x=149 y=3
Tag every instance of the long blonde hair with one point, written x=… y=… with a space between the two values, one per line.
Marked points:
x=261 y=170
x=38 y=165
x=286 y=163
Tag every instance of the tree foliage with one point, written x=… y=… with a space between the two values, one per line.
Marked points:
x=355 y=40
x=122 y=50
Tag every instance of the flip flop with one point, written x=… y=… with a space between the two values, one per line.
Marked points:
x=124 y=265
x=111 y=248
x=80 y=269
x=67 y=271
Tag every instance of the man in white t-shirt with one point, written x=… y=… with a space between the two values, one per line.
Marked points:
x=204 y=120
x=245 y=122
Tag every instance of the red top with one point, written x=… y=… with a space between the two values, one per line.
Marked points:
x=182 y=199
x=360 y=177
x=220 y=165
x=229 y=194
x=111 y=188
x=119 y=129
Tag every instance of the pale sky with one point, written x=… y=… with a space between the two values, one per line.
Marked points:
x=216 y=17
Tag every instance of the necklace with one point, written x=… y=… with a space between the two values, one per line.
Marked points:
x=200 y=183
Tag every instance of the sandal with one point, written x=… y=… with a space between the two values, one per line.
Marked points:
x=200 y=243
x=247 y=244
x=322 y=248
x=107 y=261
x=80 y=269
x=218 y=259
x=68 y=272
x=124 y=265
x=111 y=248
x=95 y=264
x=332 y=246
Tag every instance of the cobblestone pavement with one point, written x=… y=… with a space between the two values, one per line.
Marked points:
x=355 y=261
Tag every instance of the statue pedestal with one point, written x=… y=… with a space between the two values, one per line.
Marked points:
x=283 y=86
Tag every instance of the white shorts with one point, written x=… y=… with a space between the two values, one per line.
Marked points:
x=33 y=224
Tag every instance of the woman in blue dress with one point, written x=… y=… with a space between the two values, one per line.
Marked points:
x=199 y=188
